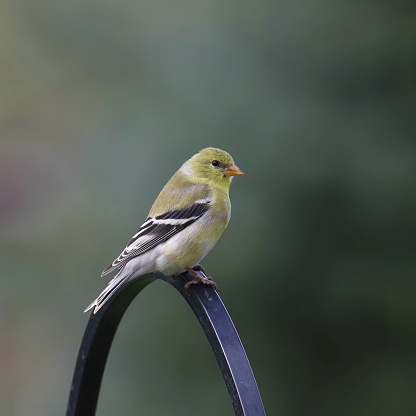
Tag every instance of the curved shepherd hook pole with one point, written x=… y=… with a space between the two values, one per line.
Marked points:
x=212 y=316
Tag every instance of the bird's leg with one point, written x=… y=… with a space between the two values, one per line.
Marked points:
x=199 y=268
x=199 y=279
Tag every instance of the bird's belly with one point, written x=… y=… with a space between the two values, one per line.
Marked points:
x=188 y=248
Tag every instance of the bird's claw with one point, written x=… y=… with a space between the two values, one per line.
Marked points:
x=203 y=280
x=199 y=279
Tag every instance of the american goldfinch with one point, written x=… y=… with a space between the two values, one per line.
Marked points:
x=184 y=223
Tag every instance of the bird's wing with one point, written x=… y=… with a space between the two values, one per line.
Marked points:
x=156 y=230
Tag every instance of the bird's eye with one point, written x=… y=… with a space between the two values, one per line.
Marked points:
x=215 y=163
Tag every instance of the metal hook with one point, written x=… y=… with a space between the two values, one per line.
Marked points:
x=215 y=321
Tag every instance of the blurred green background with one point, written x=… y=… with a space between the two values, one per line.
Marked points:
x=101 y=102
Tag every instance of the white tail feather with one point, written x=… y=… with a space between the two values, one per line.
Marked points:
x=106 y=294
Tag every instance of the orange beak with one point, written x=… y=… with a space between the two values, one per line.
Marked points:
x=233 y=170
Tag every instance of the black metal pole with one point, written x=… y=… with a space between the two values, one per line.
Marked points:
x=215 y=321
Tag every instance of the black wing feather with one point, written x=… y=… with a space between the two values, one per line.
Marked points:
x=159 y=233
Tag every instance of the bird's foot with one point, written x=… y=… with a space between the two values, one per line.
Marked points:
x=199 y=279
x=199 y=268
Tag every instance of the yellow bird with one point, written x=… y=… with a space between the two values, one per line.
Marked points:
x=184 y=223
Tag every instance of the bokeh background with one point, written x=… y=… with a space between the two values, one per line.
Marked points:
x=101 y=102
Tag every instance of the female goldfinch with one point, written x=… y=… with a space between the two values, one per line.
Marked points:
x=185 y=222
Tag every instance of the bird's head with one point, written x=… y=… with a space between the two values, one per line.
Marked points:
x=213 y=166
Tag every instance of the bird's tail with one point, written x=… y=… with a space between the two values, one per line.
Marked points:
x=106 y=294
